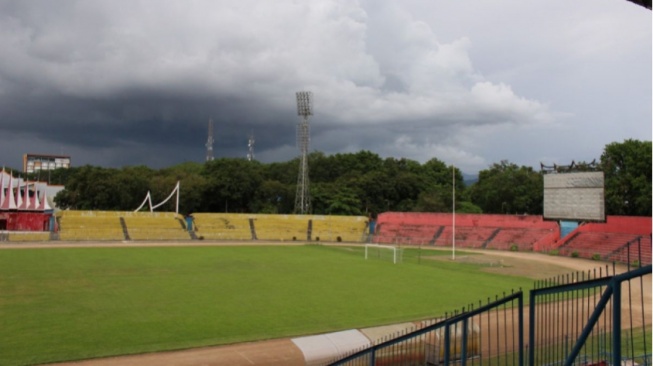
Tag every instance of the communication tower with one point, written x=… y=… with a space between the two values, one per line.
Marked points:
x=250 y=147
x=304 y=109
x=209 y=142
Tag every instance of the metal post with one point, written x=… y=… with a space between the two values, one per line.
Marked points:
x=520 y=315
x=463 y=351
x=453 y=196
x=531 y=328
x=616 y=324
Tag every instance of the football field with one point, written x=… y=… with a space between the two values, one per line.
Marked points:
x=61 y=304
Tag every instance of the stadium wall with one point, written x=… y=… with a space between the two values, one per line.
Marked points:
x=636 y=225
x=25 y=221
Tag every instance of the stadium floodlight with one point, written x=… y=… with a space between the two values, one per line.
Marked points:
x=304 y=103
x=304 y=109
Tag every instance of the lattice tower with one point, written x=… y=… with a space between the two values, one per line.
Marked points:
x=209 y=142
x=304 y=109
x=250 y=147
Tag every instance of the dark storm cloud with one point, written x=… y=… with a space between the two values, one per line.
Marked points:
x=135 y=82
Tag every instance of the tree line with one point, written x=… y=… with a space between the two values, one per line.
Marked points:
x=359 y=183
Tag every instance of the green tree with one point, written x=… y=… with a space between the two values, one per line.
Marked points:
x=231 y=184
x=508 y=188
x=627 y=169
x=274 y=197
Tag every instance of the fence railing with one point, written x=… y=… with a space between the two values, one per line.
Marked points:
x=478 y=333
x=583 y=320
x=589 y=318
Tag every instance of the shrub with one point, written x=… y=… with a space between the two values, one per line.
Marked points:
x=554 y=252
x=635 y=263
x=574 y=254
x=596 y=257
x=514 y=248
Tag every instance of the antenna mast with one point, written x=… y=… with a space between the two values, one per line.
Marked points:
x=250 y=147
x=304 y=109
x=209 y=142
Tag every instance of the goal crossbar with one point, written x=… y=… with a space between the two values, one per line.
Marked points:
x=389 y=247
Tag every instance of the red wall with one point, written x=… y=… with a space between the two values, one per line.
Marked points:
x=26 y=221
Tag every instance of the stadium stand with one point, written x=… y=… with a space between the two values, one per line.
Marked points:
x=155 y=226
x=90 y=225
x=338 y=228
x=281 y=227
x=222 y=226
x=620 y=238
x=611 y=240
x=27 y=236
x=526 y=232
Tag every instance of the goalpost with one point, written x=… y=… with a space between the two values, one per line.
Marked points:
x=383 y=251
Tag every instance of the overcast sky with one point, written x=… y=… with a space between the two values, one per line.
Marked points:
x=125 y=82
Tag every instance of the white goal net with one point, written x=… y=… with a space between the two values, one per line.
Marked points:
x=383 y=252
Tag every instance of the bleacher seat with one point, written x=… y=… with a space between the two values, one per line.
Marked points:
x=155 y=226
x=28 y=236
x=90 y=225
x=338 y=228
x=281 y=227
x=222 y=226
x=471 y=230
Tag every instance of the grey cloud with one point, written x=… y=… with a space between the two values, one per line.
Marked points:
x=135 y=82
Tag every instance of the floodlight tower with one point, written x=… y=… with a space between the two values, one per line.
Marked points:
x=250 y=147
x=304 y=109
x=209 y=142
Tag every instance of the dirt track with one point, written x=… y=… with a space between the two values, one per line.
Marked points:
x=284 y=352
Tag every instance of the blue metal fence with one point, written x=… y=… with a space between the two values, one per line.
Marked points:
x=589 y=318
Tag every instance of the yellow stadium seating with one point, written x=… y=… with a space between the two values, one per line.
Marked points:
x=281 y=227
x=156 y=226
x=222 y=226
x=339 y=228
x=91 y=226
x=26 y=236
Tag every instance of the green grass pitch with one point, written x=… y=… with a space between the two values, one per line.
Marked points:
x=65 y=304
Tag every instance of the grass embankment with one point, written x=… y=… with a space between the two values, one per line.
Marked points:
x=66 y=304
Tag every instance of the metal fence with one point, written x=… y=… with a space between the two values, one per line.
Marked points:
x=490 y=334
x=589 y=318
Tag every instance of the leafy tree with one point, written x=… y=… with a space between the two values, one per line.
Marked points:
x=232 y=183
x=507 y=188
x=335 y=199
x=274 y=197
x=627 y=169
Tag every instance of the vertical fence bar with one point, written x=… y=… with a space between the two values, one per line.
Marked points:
x=616 y=324
x=520 y=329
x=463 y=351
x=531 y=328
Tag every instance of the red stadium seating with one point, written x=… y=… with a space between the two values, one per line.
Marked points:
x=615 y=239
x=527 y=232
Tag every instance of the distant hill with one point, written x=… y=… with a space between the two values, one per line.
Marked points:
x=469 y=179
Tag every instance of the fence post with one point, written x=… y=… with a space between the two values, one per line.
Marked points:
x=616 y=323
x=531 y=328
x=463 y=351
x=520 y=315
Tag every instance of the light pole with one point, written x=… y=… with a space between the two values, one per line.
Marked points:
x=453 y=209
